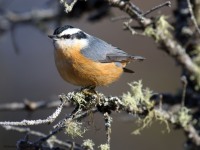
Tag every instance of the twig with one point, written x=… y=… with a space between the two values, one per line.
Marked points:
x=61 y=125
x=129 y=8
x=136 y=8
x=8 y=19
x=167 y=3
x=160 y=101
x=31 y=105
x=36 y=133
x=184 y=81
x=193 y=134
x=193 y=17
x=120 y=18
x=108 y=121
x=49 y=119
x=76 y=117
x=14 y=40
x=127 y=26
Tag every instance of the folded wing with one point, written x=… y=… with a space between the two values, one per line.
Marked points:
x=100 y=51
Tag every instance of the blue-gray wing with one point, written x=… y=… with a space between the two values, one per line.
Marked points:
x=100 y=51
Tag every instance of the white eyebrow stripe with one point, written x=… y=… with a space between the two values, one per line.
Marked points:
x=70 y=31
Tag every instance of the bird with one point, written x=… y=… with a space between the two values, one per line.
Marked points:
x=87 y=61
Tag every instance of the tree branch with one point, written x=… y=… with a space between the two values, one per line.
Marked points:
x=49 y=119
x=172 y=47
x=193 y=17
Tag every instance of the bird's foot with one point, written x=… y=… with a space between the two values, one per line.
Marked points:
x=89 y=90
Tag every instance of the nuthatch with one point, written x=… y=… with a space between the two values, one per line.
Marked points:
x=85 y=60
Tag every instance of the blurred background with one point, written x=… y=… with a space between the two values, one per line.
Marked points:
x=31 y=74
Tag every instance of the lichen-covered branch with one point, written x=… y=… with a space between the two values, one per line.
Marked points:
x=159 y=30
x=179 y=110
x=49 y=119
x=28 y=131
x=193 y=17
x=137 y=101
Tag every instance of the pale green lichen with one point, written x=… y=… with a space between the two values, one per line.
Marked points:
x=79 y=98
x=183 y=117
x=143 y=123
x=137 y=97
x=51 y=141
x=196 y=60
x=88 y=144
x=148 y=120
x=150 y=31
x=162 y=26
x=68 y=7
x=138 y=100
x=162 y=119
x=196 y=52
x=104 y=147
x=74 y=128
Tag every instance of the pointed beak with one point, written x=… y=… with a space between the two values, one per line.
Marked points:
x=53 y=37
x=138 y=58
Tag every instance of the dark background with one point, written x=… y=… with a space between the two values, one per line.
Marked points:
x=32 y=75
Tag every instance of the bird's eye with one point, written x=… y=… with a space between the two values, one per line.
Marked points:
x=66 y=36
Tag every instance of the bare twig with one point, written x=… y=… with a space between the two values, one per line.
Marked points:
x=184 y=81
x=14 y=40
x=31 y=105
x=36 y=133
x=193 y=17
x=120 y=18
x=127 y=26
x=8 y=19
x=167 y=3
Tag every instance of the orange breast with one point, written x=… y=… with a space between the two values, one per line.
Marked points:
x=79 y=70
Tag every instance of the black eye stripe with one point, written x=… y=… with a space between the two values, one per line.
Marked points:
x=67 y=36
x=79 y=35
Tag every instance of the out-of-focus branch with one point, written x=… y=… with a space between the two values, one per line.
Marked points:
x=192 y=132
x=196 y=8
x=31 y=105
x=193 y=17
x=8 y=19
x=28 y=131
x=167 y=3
x=49 y=119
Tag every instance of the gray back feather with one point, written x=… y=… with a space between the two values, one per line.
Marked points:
x=98 y=50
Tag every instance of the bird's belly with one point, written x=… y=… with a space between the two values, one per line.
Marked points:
x=85 y=72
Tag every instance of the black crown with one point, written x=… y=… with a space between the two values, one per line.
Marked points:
x=61 y=29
